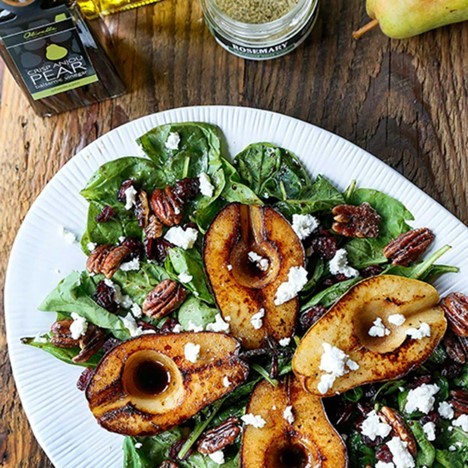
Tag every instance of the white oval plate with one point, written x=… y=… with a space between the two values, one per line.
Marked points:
x=57 y=411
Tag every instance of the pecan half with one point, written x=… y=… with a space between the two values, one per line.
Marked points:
x=114 y=258
x=399 y=427
x=454 y=347
x=409 y=246
x=85 y=378
x=459 y=401
x=169 y=464
x=61 y=334
x=166 y=297
x=154 y=228
x=455 y=306
x=96 y=258
x=219 y=437
x=356 y=221
x=167 y=206
x=142 y=209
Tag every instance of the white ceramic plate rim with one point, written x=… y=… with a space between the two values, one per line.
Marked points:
x=333 y=156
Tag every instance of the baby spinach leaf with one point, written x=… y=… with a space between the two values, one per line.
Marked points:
x=272 y=172
x=319 y=196
x=197 y=312
x=137 y=284
x=426 y=453
x=462 y=380
x=64 y=354
x=365 y=252
x=359 y=453
x=189 y=261
x=329 y=296
x=74 y=294
x=448 y=459
x=197 y=460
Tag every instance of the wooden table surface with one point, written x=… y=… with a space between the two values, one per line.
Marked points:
x=404 y=101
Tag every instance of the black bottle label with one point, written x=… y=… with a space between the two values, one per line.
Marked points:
x=48 y=53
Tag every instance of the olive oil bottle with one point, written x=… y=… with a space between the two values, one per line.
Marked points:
x=93 y=8
x=59 y=60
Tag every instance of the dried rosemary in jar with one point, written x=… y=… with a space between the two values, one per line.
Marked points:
x=59 y=60
x=260 y=29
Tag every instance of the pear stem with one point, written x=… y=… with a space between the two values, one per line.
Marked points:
x=366 y=28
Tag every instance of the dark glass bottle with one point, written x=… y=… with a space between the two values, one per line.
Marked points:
x=60 y=60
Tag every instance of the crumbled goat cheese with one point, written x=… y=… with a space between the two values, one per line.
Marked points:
x=130 y=197
x=396 y=319
x=172 y=142
x=339 y=264
x=118 y=297
x=421 y=398
x=461 y=421
x=132 y=265
x=297 y=279
x=401 y=456
x=335 y=363
x=91 y=246
x=191 y=352
x=181 y=237
x=284 y=341
x=429 y=430
x=261 y=262
x=78 y=326
x=288 y=415
x=138 y=445
x=126 y=302
x=257 y=319
x=122 y=239
x=446 y=410
x=136 y=310
x=227 y=318
x=40 y=339
x=452 y=448
x=226 y=381
x=372 y=427
x=193 y=327
x=381 y=464
x=206 y=187
x=219 y=325
x=378 y=329
x=229 y=267
x=69 y=237
x=130 y=324
x=304 y=225
x=184 y=277
x=217 y=457
x=250 y=419
x=177 y=328
x=423 y=331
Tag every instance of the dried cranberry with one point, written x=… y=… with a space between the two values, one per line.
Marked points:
x=451 y=370
x=104 y=296
x=372 y=443
x=372 y=270
x=364 y=408
x=419 y=380
x=370 y=391
x=310 y=316
x=106 y=214
x=156 y=249
x=333 y=280
x=383 y=454
x=85 y=378
x=135 y=246
x=323 y=244
x=147 y=326
x=175 y=449
x=346 y=414
x=186 y=189
x=432 y=416
x=169 y=325
x=110 y=344
x=126 y=184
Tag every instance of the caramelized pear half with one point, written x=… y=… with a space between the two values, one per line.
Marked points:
x=346 y=326
x=146 y=385
x=240 y=286
x=307 y=440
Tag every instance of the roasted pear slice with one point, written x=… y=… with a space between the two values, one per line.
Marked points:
x=248 y=253
x=296 y=434
x=149 y=384
x=376 y=303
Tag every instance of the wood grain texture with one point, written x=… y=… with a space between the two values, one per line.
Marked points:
x=404 y=101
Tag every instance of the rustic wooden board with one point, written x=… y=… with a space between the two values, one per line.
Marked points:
x=404 y=101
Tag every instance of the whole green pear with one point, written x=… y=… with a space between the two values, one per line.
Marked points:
x=400 y=19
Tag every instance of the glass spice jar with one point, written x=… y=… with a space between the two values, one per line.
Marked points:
x=260 y=29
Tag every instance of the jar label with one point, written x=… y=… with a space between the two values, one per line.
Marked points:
x=266 y=52
x=48 y=53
